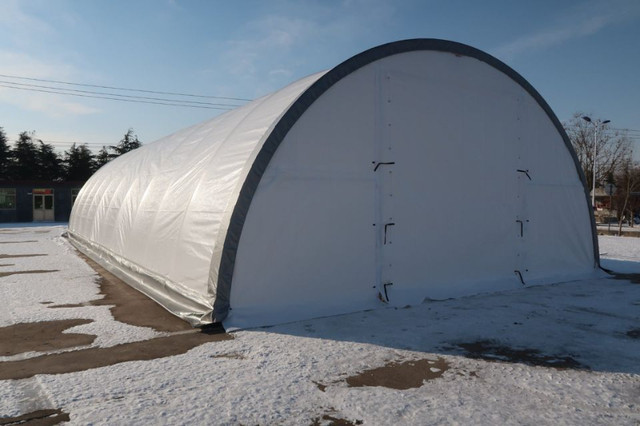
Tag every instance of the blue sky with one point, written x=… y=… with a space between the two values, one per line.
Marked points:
x=580 y=55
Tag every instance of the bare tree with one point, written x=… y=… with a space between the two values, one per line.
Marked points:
x=627 y=191
x=613 y=148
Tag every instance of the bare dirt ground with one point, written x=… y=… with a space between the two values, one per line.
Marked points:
x=37 y=418
x=127 y=305
x=130 y=306
x=32 y=271
x=36 y=336
x=401 y=375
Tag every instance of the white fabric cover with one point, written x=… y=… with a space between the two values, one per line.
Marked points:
x=483 y=195
x=153 y=216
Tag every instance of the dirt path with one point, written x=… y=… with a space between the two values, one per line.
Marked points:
x=85 y=359
x=127 y=305
x=38 y=336
x=37 y=418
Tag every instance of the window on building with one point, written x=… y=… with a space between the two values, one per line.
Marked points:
x=74 y=195
x=8 y=198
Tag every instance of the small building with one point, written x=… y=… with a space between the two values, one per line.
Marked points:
x=37 y=201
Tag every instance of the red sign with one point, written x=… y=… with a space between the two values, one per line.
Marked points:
x=41 y=191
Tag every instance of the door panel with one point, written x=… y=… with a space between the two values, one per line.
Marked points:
x=48 y=208
x=43 y=205
x=448 y=194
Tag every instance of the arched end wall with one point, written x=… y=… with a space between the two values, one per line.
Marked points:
x=480 y=193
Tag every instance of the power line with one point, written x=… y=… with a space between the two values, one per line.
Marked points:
x=63 y=146
x=69 y=144
x=114 y=99
x=65 y=142
x=123 y=88
x=117 y=94
x=620 y=132
x=626 y=130
x=617 y=134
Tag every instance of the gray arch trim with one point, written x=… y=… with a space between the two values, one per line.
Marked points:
x=236 y=224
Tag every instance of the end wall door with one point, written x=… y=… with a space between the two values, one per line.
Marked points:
x=43 y=206
x=445 y=186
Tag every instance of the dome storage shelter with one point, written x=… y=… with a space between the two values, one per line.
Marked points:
x=419 y=169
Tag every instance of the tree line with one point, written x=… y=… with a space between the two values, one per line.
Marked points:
x=614 y=164
x=32 y=159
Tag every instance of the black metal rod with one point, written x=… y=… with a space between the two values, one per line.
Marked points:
x=386 y=296
x=526 y=172
x=380 y=164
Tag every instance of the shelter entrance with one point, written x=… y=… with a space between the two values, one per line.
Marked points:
x=432 y=183
x=43 y=206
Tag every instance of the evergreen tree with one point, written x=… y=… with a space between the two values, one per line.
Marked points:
x=5 y=155
x=49 y=164
x=128 y=143
x=24 y=158
x=79 y=163
x=102 y=158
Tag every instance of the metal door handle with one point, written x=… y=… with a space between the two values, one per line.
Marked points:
x=526 y=172
x=380 y=164
x=521 y=227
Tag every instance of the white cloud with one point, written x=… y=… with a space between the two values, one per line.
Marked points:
x=19 y=64
x=268 y=38
x=21 y=55
x=19 y=26
x=270 y=50
x=280 y=72
x=22 y=64
x=589 y=19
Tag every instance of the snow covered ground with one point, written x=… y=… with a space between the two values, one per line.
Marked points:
x=479 y=352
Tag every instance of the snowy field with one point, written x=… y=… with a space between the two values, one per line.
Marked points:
x=560 y=354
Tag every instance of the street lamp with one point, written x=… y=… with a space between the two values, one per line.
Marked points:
x=596 y=124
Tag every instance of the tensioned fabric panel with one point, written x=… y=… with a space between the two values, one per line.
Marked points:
x=157 y=211
x=307 y=247
x=455 y=132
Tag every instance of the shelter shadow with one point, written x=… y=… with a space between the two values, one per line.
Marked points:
x=589 y=325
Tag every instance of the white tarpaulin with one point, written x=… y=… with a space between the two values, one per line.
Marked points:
x=347 y=190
